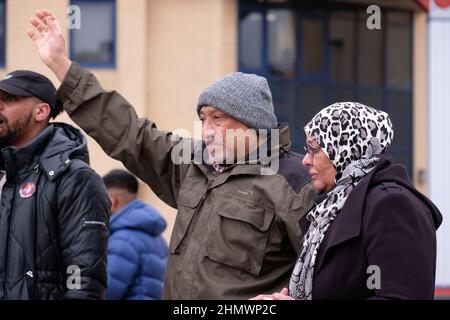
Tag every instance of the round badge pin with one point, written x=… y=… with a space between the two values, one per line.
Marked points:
x=27 y=190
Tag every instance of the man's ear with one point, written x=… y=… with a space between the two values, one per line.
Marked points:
x=42 y=112
x=114 y=200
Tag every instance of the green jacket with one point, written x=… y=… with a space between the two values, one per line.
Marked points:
x=236 y=234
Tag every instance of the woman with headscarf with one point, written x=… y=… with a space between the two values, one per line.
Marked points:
x=371 y=234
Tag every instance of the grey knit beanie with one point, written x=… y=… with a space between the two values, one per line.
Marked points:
x=245 y=97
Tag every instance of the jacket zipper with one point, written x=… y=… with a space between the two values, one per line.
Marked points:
x=5 y=292
x=5 y=295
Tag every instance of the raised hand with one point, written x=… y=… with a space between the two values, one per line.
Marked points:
x=49 y=40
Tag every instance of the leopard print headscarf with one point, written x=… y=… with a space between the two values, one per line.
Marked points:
x=354 y=137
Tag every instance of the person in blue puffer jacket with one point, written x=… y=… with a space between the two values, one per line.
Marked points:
x=137 y=253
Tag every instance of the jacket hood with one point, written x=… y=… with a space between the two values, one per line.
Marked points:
x=137 y=215
x=52 y=150
x=68 y=141
x=386 y=171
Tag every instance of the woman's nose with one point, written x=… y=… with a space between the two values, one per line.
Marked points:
x=307 y=160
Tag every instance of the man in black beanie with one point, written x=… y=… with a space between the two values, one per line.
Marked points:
x=236 y=233
x=54 y=207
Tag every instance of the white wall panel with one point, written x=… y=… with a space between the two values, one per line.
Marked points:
x=439 y=135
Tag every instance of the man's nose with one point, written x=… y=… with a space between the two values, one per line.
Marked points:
x=208 y=133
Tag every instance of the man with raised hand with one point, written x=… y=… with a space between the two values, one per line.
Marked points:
x=236 y=233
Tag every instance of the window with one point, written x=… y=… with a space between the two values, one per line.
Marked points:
x=314 y=54
x=93 y=45
x=282 y=44
x=312 y=46
x=371 y=53
x=250 y=40
x=2 y=33
x=398 y=59
x=342 y=46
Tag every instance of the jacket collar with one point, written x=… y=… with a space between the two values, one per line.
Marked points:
x=348 y=222
x=129 y=206
x=20 y=160
x=51 y=151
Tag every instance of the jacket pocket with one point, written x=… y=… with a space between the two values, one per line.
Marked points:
x=188 y=204
x=239 y=235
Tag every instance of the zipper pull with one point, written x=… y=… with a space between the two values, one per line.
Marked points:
x=30 y=274
x=36 y=167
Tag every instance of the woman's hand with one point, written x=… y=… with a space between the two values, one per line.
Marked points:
x=282 y=295
x=50 y=42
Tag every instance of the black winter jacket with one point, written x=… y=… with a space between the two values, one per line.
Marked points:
x=53 y=220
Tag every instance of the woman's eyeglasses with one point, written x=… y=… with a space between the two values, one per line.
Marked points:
x=312 y=151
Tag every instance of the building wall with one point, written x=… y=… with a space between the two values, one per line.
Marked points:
x=439 y=135
x=420 y=101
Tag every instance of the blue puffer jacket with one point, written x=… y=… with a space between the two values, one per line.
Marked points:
x=137 y=253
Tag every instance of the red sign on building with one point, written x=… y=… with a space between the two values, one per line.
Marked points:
x=442 y=3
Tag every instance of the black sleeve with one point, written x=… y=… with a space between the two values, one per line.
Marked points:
x=83 y=221
x=400 y=239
